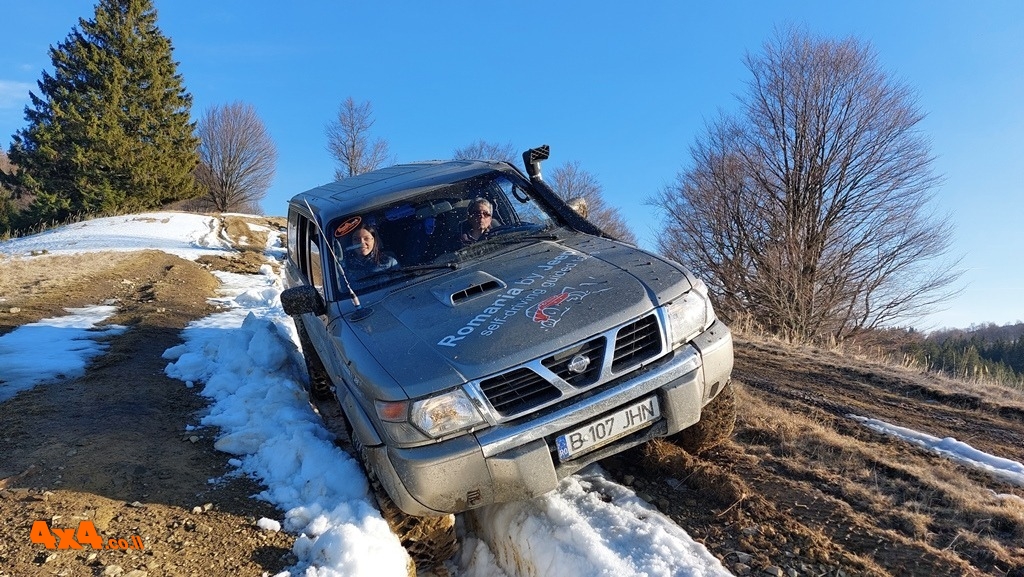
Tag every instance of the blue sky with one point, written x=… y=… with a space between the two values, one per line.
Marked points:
x=622 y=88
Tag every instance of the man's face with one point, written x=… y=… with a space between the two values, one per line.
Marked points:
x=481 y=214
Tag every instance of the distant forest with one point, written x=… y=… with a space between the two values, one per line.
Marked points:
x=984 y=353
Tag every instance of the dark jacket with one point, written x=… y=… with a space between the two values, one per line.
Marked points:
x=359 y=266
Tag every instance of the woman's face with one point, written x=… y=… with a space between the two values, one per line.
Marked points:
x=364 y=239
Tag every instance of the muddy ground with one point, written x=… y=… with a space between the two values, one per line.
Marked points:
x=800 y=489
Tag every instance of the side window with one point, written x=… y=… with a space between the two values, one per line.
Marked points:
x=304 y=250
x=315 y=270
x=522 y=210
x=293 y=237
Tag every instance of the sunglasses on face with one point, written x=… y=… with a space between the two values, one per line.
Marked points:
x=480 y=213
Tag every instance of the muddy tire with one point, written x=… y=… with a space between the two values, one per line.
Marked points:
x=320 y=388
x=429 y=541
x=717 y=421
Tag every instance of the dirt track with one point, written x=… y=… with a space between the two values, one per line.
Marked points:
x=112 y=447
x=801 y=489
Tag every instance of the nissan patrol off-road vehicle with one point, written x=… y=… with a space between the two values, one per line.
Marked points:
x=483 y=340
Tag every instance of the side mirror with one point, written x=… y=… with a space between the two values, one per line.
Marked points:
x=301 y=300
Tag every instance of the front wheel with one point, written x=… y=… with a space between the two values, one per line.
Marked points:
x=430 y=541
x=715 y=426
x=319 y=382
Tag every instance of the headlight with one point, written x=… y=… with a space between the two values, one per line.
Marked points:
x=435 y=417
x=443 y=414
x=689 y=315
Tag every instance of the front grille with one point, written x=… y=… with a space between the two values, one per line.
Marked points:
x=517 y=391
x=592 y=350
x=636 y=342
x=524 y=388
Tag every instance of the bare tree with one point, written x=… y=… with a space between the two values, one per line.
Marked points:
x=574 y=184
x=483 y=150
x=810 y=209
x=348 y=140
x=236 y=159
x=13 y=199
x=5 y=163
x=8 y=183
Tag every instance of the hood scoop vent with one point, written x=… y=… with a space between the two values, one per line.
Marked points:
x=465 y=286
x=475 y=290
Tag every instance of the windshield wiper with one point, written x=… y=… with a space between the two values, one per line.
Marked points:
x=539 y=236
x=524 y=234
x=418 y=267
x=411 y=269
x=503 y=238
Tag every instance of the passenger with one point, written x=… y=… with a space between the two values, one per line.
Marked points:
x=368 y=257
x=478 y=223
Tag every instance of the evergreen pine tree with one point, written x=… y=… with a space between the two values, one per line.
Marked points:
x=111 y=131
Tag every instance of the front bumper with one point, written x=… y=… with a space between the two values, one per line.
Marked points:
x=519 y=460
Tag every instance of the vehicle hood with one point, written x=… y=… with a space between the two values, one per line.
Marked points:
x=498 y=312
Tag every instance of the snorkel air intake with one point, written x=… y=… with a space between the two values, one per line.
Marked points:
x=532 y=159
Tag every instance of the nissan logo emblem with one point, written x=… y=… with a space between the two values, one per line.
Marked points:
x=579 y=364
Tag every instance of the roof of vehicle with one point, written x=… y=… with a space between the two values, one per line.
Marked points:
x=391 y=183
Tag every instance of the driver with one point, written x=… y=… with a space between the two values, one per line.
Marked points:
x=479 y=221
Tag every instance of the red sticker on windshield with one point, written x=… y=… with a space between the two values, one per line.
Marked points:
x=348 y=226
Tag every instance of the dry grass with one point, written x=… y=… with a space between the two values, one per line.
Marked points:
x=35 y=288
x=921 y=496
x=244 y=237
x=884 y=361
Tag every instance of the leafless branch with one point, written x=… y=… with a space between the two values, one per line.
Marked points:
x=483 y=150
x=348 y=140
x=237 y=158
x=571 y=182
x=810 y=211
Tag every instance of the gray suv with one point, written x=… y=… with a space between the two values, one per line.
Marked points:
x=481 y=364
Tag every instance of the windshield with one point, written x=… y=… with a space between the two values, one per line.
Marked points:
x=434 y=230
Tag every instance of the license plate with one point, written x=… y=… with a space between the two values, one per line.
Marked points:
x=606 y=429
